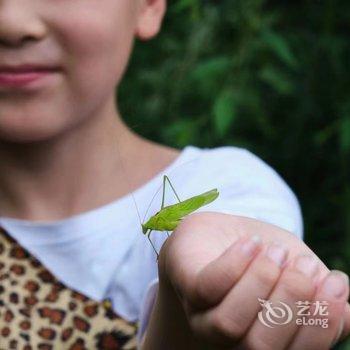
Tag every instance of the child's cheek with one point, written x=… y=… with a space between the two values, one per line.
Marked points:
x=97 y=43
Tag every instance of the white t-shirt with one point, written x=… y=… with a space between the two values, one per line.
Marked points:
x=103 y=253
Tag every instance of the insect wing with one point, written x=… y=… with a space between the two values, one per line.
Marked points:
x=176 y=211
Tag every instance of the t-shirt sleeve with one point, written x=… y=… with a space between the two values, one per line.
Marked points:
x=248 y=187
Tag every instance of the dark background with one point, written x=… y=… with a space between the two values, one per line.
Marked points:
x=271 y=76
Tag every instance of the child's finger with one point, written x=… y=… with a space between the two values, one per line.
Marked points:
x=217 y=278
x=346 y=327
x=320 y=334
x=297 y=283
x=228 y=322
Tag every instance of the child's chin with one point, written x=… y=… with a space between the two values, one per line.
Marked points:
x=23 y=134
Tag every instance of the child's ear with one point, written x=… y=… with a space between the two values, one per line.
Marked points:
x=150 y=18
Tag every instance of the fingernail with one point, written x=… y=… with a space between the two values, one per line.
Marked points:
x=336 y=283
x=250 y=246
x=277 y=253
x=340 y=331
x=307 y=264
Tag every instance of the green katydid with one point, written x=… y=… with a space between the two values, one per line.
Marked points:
x=168 y=217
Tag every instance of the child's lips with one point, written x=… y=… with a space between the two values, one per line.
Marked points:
x=23 y=78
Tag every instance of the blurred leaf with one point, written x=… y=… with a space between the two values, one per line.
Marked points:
x=224 y=111
x=280 y=47
x=210 y=74
x=276 y=79
x=211 y=68
x=182 y=132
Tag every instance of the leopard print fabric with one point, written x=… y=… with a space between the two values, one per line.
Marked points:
x=39 y=312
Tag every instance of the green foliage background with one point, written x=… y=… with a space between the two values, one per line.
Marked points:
x=271 y=76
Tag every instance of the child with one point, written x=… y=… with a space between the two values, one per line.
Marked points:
x=76 y=272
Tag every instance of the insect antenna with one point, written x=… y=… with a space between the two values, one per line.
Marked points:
x=149 y=206
x=128 y=182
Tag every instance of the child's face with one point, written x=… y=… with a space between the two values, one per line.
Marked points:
x=89 y=40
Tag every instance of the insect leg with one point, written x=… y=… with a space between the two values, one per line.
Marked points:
x=149 y=238
x=162 y=206
x=165 y=178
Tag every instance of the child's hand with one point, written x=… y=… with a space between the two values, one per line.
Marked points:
x=214 y=266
